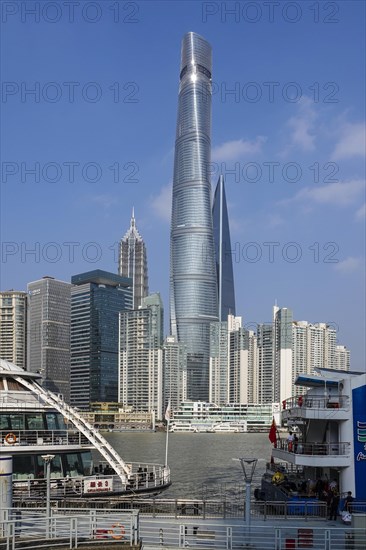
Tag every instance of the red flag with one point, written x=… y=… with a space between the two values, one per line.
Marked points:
x=272 y=436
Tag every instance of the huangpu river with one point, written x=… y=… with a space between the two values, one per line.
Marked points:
x=201 y=464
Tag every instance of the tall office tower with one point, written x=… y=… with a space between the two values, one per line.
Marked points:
x=223 y=258
x=133 y=262
x=242 y=366
x=314 y=345
x=48 y=333
x=342 y=358
x=174 y=373
x=283 y=376
x=193 y=285
x=141 y=357
x=265 y=380
x=13 y=327
x=97 y=297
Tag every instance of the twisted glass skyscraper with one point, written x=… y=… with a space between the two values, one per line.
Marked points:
x=224 y=263
x=193 y=295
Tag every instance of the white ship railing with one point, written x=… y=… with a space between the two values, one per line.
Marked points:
x=313 y=402
x=315 y=449
x=44 y=437
x=151 y=478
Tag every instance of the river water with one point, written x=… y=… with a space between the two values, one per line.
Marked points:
x=201 y=464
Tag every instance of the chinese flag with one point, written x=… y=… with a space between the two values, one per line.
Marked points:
x=272 y=436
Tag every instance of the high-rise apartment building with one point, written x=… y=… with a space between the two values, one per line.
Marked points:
x=13 y=327
x=265 y=365
x=223 y=256
x=97 y=297
x=133 y=262
x=342 y=358
x=314 y=346
x=175 y=373
x=233 y=362
x=219 y=363
x=193 y=284
x=48 y=333
x=282 y=353
x=141 y=357
x=242 y=366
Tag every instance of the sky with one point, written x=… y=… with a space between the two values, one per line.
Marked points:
x=89 y=106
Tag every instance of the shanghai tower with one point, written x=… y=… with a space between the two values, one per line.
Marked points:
x=193 y=283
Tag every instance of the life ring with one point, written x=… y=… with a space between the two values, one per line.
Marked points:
x=10 y=439
x=115 y=535
x=277 y=478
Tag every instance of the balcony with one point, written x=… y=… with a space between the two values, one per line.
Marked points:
x=335 y=407
x=314 y=454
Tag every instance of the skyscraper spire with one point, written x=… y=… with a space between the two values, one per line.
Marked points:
x=133 y=262
x=133 y=222
x=224 y=264
x=193 y=285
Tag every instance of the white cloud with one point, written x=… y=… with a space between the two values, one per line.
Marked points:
x=361 y=212
x=350 y=264
x=302 y=126
x=162 y=203
x=351 y=142
x=234 y=150
x=338 y=193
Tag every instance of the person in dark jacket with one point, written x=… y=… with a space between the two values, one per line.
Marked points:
x=334 y=503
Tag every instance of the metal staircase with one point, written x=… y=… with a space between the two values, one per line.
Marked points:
x=93 y=435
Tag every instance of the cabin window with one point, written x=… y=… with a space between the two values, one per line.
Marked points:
x=35 y=421
x=11 y=422
x=23 y=467
x=74 y=466
x=87 y=461
x=1 y=384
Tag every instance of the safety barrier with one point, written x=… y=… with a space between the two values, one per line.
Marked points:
x=30 y=529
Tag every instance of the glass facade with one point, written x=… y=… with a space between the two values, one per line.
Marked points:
x=193 y=285
x=48 y=334
x=97 y=298
x=223 y=257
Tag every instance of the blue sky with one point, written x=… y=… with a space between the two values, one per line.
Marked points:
x=99 y=132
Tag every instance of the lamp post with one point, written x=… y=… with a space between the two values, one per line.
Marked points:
x=248 y=465
x=47 y=459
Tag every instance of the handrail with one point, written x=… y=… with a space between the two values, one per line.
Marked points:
x=45 y=437
x=315 y=449
x=314 y=402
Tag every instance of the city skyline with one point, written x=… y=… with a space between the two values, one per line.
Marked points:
x=320 y=134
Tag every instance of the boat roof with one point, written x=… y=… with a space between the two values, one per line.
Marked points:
x=9 y=369
x=324 y=377
x=316 y=381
